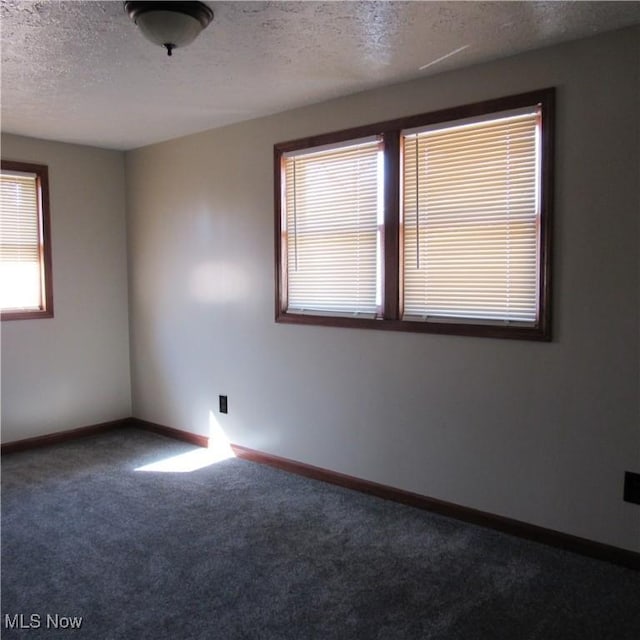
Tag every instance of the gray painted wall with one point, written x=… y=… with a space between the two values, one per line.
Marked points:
x=73 y=370
x=538 y=432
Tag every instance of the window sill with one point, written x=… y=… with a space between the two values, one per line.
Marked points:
x=26 y=315
x=536 y=333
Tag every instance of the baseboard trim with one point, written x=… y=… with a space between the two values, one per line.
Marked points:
x=63 y=436
x=170 y=432
x=575 y=544
x=82 y=432
x=552 y=538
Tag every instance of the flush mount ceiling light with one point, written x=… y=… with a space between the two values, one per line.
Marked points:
x=170 y=24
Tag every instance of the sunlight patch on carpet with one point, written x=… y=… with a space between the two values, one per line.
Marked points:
x=189 y=461
x=219 y=449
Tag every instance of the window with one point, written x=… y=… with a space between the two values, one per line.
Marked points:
x=470 y=220
x=331 y=229
x=437 y=223
x=25 y=245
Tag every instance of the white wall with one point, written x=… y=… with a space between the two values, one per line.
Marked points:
x=538 y=432
x=72 y=370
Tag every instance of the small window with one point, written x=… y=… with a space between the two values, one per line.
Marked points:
x=25 y=246
x=332 y=212
x=436 y=223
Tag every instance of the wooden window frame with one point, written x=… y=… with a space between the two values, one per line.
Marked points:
x=390 y=131
x=42 y=185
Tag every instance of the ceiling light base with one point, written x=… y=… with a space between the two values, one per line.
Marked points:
x=170 y=24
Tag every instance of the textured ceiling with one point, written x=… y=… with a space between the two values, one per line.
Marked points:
x=79 y=71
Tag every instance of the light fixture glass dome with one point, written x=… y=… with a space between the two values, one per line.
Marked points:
x=170 y=24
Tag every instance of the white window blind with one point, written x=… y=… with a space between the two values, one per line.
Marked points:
x=471 y=221
x=330 y=228
x=20 y=242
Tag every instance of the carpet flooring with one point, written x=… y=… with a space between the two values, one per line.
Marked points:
x=240 y=551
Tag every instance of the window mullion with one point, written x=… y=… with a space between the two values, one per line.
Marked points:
x=391 y=232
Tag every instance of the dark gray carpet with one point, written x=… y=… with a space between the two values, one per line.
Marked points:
x=242 y=551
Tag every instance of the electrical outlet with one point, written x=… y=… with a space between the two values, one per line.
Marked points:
x=632 y=487
x=223 y=404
